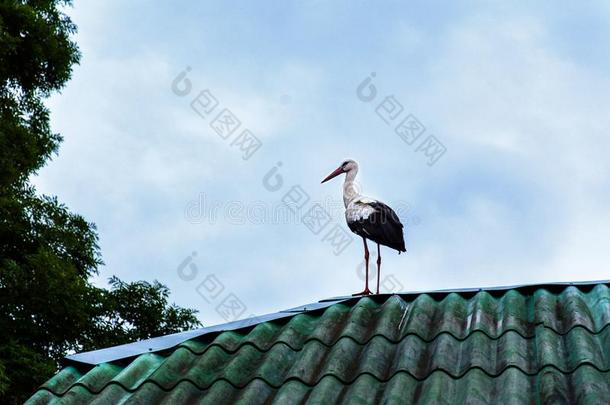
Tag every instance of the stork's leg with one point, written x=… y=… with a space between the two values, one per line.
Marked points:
x=378 y=266
x=366 y=260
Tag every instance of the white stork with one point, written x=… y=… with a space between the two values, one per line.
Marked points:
x=369 y=218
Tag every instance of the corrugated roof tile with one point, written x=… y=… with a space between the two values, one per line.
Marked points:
x=485 y=347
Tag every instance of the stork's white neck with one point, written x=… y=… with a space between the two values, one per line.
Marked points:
x=350 y=188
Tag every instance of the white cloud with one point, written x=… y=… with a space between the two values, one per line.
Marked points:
x=524 y=126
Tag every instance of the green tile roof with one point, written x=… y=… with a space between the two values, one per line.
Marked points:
x=533 y=344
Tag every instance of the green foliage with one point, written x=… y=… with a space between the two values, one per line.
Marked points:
x=36 y=58
x=48 y=307
x=3 y=378
x=134 y=311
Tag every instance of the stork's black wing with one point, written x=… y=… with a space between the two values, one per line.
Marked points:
x=382 y=226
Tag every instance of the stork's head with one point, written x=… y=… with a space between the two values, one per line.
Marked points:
x=345 y=167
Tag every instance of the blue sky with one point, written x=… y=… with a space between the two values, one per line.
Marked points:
x=517 y=94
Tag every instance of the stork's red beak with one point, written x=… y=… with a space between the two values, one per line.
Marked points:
x=337 y=172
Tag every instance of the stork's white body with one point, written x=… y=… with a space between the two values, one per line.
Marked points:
x=358 y=209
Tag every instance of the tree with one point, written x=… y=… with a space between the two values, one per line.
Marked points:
x=48 y=307
x=134 y=311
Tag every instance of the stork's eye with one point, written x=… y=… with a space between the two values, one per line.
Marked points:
x=344 y=164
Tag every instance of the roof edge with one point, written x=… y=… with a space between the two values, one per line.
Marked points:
x=156 y=344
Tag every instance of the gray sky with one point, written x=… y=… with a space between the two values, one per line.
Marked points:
x=516 y=96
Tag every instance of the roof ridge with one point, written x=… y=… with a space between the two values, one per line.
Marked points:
x=504 y=288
